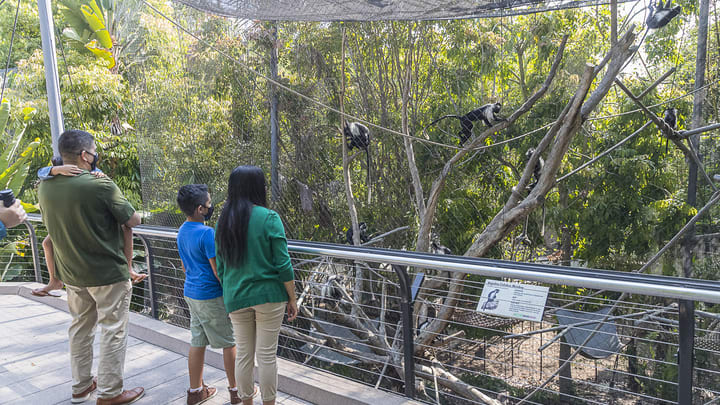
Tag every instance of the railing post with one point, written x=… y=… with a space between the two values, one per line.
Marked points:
x=686 y=356
x=150 y=262
x=35 y=251
x=406 y=306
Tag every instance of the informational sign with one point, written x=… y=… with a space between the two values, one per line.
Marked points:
x=513 y=300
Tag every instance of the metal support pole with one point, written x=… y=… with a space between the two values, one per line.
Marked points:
x=686 y=308
x=35 y=251
x=406 y=307
x=150 y=262
x=274 y=153
x=47 y=33
x=686 y=358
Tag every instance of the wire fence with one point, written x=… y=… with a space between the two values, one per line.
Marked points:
x=353 y=306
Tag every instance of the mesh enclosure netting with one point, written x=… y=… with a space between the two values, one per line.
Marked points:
x=377 y=10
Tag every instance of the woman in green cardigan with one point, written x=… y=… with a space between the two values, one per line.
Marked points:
x=257 y=279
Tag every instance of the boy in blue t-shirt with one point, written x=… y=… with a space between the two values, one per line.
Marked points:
x=209 y=322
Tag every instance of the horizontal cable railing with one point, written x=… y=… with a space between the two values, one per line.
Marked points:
x=409 y=322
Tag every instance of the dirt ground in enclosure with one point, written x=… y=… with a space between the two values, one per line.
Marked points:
x=518 y=364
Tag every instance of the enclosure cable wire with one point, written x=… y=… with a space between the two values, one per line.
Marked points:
x=427 y=141
x=605 y=152
x=295 y=92
x=69 y=76
x=660 y=104
x=12 y=39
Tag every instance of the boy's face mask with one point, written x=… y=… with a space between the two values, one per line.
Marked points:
x=210 y=210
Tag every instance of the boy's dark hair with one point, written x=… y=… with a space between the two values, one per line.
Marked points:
x=57 y=161
x=73 y=142
x=190 y=196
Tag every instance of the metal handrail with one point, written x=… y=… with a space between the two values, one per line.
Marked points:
x=34 y=250
x=634 y=283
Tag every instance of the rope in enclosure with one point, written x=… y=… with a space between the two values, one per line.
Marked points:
x=12 y=40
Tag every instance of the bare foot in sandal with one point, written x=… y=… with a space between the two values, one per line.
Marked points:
x=54 y=284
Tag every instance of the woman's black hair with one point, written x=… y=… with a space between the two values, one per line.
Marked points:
x=246 y=187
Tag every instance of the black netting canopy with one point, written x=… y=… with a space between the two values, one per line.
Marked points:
x=376 y=10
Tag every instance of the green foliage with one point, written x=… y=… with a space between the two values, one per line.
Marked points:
x=10 y=269
x=198 y=114
x=87 y=27
x=27 y=34
x=16 y=156
x=14 y=163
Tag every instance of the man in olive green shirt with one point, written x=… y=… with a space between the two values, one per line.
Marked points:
x=84 y=216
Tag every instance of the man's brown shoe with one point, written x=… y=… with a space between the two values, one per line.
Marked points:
x=127 y=397
x=85 y=395
x=194 y=398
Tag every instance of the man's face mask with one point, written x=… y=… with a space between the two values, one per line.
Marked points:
x=93 y=164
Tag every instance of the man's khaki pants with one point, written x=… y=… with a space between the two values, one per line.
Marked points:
x=256 y=332
x=108 y=306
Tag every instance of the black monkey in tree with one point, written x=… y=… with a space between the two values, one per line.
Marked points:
x=660 y=16
x=487 y=113
x=670 y=118
x=364 y=237
x=357 y=136
x=536 y=170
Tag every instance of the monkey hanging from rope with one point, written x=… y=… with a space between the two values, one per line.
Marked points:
x=357 y=136
x=487 y=113
x=660 y=16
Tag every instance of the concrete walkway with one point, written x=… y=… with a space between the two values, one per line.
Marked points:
x=35 y=365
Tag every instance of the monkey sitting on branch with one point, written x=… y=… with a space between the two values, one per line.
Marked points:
x=364 y=237
x=487 y=113
x=670 y=118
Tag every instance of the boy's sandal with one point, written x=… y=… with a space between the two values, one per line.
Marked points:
x=39 y=292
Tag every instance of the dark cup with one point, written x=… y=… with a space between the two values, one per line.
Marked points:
x=7 y=197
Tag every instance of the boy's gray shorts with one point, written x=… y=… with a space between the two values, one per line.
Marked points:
x=209 y=323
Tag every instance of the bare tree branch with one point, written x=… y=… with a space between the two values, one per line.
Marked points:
x=332 y=343
x=448 y=380
x=426 y=221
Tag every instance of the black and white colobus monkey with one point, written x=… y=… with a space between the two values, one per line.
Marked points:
x=670 y=118
x=357 y=136
x=537 y=169
x=660 y=16
x=364 y=237
x=487 y=113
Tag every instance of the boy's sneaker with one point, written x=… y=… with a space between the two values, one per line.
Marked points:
x=194 y=398
x=235 y=398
